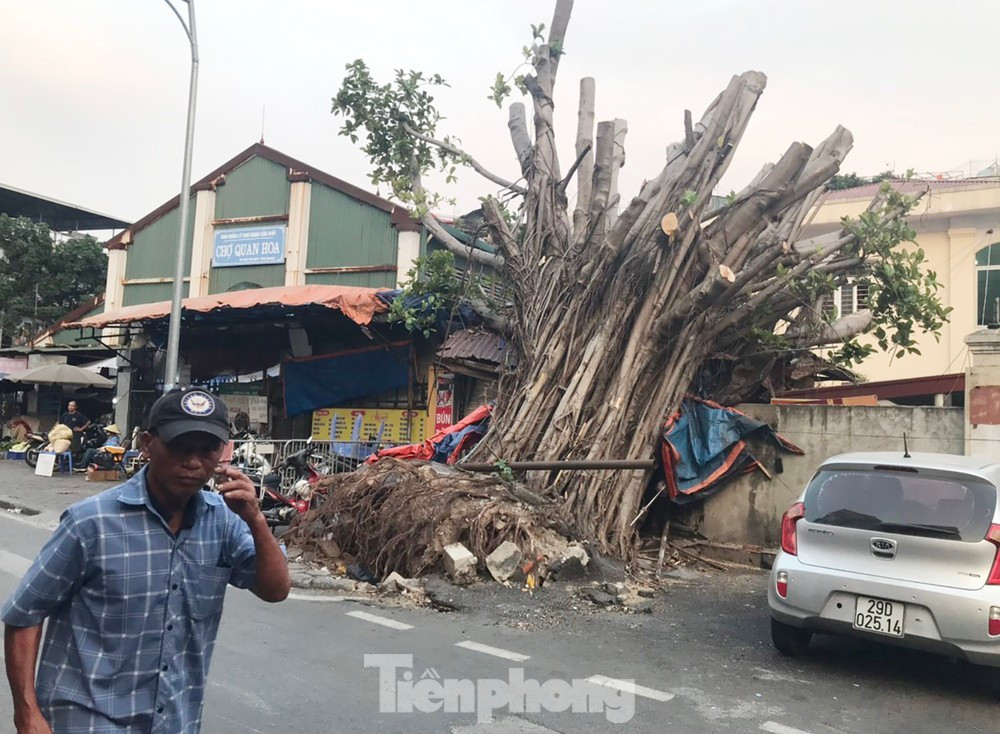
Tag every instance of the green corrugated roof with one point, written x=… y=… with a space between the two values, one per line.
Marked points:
x=466 y=239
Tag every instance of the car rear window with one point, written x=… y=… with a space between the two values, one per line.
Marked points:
x=905 y=502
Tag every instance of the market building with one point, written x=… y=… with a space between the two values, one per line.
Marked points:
x=285 y=303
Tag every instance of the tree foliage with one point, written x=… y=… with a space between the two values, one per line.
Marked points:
x=43 y=278
x=432 y=288
x=852 y=180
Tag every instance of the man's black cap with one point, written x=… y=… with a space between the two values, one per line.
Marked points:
x=186 y=410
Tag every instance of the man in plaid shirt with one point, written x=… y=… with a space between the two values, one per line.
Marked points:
x=132 y=584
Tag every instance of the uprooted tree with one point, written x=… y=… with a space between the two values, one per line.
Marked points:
x=620 y=309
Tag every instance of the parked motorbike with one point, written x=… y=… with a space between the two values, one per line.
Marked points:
x=279 y=508
x=36 y=443
x=93 y=436
x=246 y=458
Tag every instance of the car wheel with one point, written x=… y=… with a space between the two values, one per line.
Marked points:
x=789 y=640
x=993 y=680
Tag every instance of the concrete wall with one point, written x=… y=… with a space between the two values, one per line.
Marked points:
x=749 y=510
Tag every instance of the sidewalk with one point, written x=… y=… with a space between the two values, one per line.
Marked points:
x=43 y=499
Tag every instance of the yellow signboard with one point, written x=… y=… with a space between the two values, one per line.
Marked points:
x=338 y=424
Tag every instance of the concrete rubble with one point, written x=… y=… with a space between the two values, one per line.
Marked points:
x=460 y=564
x=504 y=561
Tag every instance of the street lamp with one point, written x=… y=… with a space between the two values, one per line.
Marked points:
x=174 y=333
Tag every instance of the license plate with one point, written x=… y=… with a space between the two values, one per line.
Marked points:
x=879 y=615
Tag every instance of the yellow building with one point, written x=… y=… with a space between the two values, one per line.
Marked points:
x=957 y=224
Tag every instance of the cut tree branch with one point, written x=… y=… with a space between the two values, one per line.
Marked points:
x=467 y=159
x=517 y=122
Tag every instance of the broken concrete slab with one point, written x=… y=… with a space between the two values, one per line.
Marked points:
x=330 y=549
x=504 y=561
x=395 y=583
x=459 y=564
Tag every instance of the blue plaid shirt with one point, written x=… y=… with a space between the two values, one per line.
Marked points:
x=133 y=610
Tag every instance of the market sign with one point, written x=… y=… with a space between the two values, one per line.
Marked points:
x=249 y=246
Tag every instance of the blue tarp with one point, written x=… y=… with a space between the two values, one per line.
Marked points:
x=705 y=446
x=334 y=379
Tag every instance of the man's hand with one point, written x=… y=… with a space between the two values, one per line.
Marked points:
x=31 y=722
x=238 y=492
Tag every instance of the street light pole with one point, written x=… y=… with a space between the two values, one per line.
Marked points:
x=174 y=333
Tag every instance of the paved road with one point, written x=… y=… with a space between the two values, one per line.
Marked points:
x=701 y=662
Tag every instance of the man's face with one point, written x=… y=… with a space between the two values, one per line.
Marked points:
x=184 y=465
x=71 y=407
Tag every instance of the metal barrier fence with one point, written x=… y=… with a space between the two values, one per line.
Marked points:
x=329 y=457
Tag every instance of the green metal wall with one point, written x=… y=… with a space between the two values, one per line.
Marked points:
x=222 y=279
x=68 y=337
x=152 y=252
x=361 y=280
x=149 y=293
x=257 y=188
x=344 y=232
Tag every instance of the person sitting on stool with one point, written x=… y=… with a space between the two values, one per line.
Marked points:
x=114 y=439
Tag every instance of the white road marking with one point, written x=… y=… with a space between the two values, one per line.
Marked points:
x=776 y=728
x=14 y=564
x=497 y=652
x=630 y=687
x=384 y=621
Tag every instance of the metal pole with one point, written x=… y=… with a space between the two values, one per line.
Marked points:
x=571 y=464
x=174 y=333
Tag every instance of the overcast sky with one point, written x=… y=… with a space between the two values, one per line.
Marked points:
x=94 y=92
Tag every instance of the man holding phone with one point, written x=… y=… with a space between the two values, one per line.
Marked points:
x=132 y=583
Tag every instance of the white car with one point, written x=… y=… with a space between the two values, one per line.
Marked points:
x=899 y=548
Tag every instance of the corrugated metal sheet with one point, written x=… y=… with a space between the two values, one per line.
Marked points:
x=479 y=346
x=256 y=188
x=149 y=293
x=362 y=280
x=151 y=254
x=346 y=232
x=70 y=337
x=222 y=279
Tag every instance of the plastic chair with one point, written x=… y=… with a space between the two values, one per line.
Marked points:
x=117 y=454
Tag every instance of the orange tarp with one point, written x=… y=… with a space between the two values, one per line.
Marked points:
x=357 y=304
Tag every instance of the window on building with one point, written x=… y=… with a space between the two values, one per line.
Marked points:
x=852 y=298
x=988 y=284
x=847 y=299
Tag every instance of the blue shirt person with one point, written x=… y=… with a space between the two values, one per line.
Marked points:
x=132 y=584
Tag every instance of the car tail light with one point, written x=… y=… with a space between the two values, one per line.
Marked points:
x=789 y=544
x=994 y=627
x=994 y=537
x=781 y=586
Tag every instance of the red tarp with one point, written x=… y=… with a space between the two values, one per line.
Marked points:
x=426 y=451
x=357 y=304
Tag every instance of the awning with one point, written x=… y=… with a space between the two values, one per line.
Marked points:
x=357 y=304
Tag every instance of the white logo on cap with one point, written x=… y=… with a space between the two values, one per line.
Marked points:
x=198 y=403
